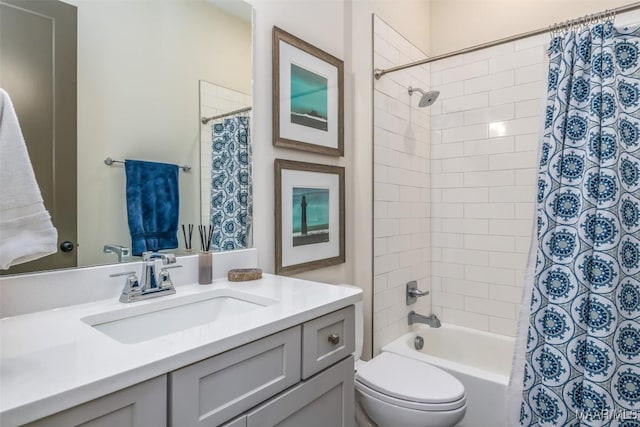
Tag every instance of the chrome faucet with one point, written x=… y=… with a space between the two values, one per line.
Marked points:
x=122 y=252
x=432 y=320
x=153 y=282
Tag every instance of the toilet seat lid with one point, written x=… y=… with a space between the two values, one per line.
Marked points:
x=409 y=379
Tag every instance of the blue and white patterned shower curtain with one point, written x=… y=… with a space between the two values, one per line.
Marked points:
x=583 y=344
x=230 y=184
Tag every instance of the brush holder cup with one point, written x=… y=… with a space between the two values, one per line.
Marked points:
x=205 y=268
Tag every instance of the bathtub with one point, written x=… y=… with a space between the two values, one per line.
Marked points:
x=480 y=360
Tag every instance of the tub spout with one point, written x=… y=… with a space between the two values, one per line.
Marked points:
x=432 y=320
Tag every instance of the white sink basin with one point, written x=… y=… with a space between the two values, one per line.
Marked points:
x=143 y=321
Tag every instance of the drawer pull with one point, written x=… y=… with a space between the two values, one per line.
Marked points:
x=334 y=339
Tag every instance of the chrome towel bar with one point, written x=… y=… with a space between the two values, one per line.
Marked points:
x=109 y=161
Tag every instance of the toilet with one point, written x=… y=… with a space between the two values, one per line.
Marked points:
x=394 y=390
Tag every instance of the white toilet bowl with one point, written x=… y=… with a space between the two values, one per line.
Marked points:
x=394 y=391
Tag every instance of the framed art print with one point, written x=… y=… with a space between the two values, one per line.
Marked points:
x=308 y=96
x=309 y=205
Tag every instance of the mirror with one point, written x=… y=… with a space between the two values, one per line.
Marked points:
x=140 y=71
x=225 y=158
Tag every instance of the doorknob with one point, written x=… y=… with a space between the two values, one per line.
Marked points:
x=66 y=246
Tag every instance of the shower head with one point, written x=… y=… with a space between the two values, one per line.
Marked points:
x=427 y=99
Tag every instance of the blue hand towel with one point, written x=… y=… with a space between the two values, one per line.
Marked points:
x=152 y=205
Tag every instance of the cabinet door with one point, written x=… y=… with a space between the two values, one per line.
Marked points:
x=326 y=399
x=210 y=392
x=141 y=405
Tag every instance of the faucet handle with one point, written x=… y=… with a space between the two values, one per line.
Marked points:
x=131 y=286
x=165 y=279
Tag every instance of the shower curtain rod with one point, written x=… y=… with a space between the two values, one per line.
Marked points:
x=206 y=120
x=377 y=73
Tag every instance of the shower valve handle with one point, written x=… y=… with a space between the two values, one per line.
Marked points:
x=413 y=293
x=417 y=293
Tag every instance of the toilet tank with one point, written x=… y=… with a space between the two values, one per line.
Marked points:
x=359 y=324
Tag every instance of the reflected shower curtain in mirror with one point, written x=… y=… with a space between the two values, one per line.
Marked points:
x=581 y=339
x=231 y=184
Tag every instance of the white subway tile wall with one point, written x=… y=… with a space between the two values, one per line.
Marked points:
x=483 y=167
x=454 y=184
x=401 y=183
x=214 y=100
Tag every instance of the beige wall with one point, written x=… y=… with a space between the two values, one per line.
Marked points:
x=408 y=17
x=456 y=24
x=342 y=28
x=293 y=16
x=138 y=97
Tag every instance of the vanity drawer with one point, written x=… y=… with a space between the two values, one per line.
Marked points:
x=327 y=340
x=217 y=389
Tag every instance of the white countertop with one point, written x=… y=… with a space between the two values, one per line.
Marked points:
x=51 y=360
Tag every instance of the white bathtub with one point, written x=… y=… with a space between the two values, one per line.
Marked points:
x=480 y=360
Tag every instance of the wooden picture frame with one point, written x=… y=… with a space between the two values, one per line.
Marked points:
x=308 y=96
x=309 y=216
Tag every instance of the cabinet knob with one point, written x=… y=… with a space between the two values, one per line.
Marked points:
x=334 y=339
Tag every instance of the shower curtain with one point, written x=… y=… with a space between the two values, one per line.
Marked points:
x=231 y=184
x=578 y=350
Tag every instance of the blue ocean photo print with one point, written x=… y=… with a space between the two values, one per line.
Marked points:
x=310 y=215
x=308 y=98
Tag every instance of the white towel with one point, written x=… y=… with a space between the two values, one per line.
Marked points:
x=26 y=231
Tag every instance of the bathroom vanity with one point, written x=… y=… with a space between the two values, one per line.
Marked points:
x=277 y=351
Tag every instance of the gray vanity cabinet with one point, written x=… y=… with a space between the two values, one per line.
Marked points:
x=326 y=399
x=301 y=376
x=141 y=405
